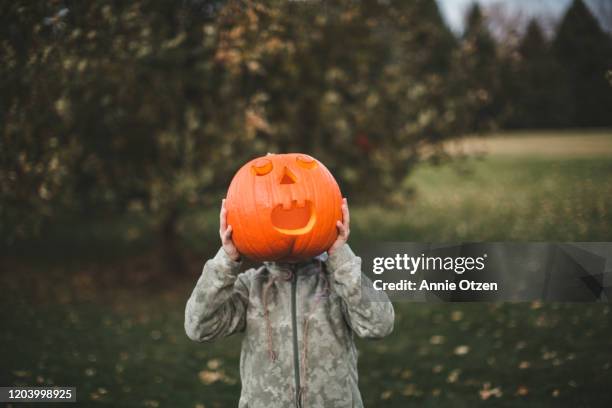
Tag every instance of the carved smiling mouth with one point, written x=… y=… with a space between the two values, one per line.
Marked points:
x=296 y=220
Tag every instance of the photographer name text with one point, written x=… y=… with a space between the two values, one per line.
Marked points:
x=424 y=285
x=431 y=264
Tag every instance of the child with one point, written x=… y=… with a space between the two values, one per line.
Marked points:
x=298 y=318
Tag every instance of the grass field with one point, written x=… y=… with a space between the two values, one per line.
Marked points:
x=90 y=315
x=553 y=144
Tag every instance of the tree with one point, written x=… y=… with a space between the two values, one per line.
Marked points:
x=480 y=66
x=542 y=97
x=115 y=106
x=358 y=85
x=111 y=107
x=585 y=51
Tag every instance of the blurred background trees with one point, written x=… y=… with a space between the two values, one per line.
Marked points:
x=481 y=72
x=151 y=106
x=111 y=107
x=585 y=52
x=540 y=98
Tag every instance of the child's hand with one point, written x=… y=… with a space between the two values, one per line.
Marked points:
x=225 y=232
x=343 y=228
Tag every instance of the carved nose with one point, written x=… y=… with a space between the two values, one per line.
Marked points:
x=288 y=177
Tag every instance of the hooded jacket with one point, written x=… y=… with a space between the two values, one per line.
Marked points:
x=299 y=322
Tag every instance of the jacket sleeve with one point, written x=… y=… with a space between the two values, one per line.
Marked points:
x=217 y=305
x=368 y=312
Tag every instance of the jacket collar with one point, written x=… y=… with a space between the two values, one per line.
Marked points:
x=285 y=270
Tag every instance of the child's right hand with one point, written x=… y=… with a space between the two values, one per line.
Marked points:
x=225 y=232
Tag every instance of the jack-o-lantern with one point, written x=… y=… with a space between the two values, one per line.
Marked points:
x=283 y=207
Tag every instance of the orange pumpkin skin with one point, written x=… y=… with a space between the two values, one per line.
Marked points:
x=283 y=207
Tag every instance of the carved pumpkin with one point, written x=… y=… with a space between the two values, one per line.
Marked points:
x=283 y=207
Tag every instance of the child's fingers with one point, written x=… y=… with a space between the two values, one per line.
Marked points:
x=223 y=217
x=226 y=236
x=346 y=216
x=341 y=228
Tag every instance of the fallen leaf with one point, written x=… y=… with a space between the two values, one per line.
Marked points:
x=487 y=392
x=453 y=376
x=387 y=394
x=213 y=364
x=437 y=339
x=411 y=390
x=209 y=377
x=522 y=390
x=406 y=374
x=456 y=315
x=462 y=350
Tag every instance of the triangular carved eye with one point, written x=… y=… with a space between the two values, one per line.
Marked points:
x=288 y=177
x=262 y=167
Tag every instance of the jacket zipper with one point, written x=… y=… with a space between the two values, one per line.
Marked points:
x=296 y=354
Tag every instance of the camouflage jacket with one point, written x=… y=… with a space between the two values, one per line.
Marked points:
x=299 y=321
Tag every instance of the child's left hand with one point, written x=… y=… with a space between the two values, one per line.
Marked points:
x=343 y=228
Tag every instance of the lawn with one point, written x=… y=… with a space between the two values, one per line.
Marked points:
x=88 y=311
